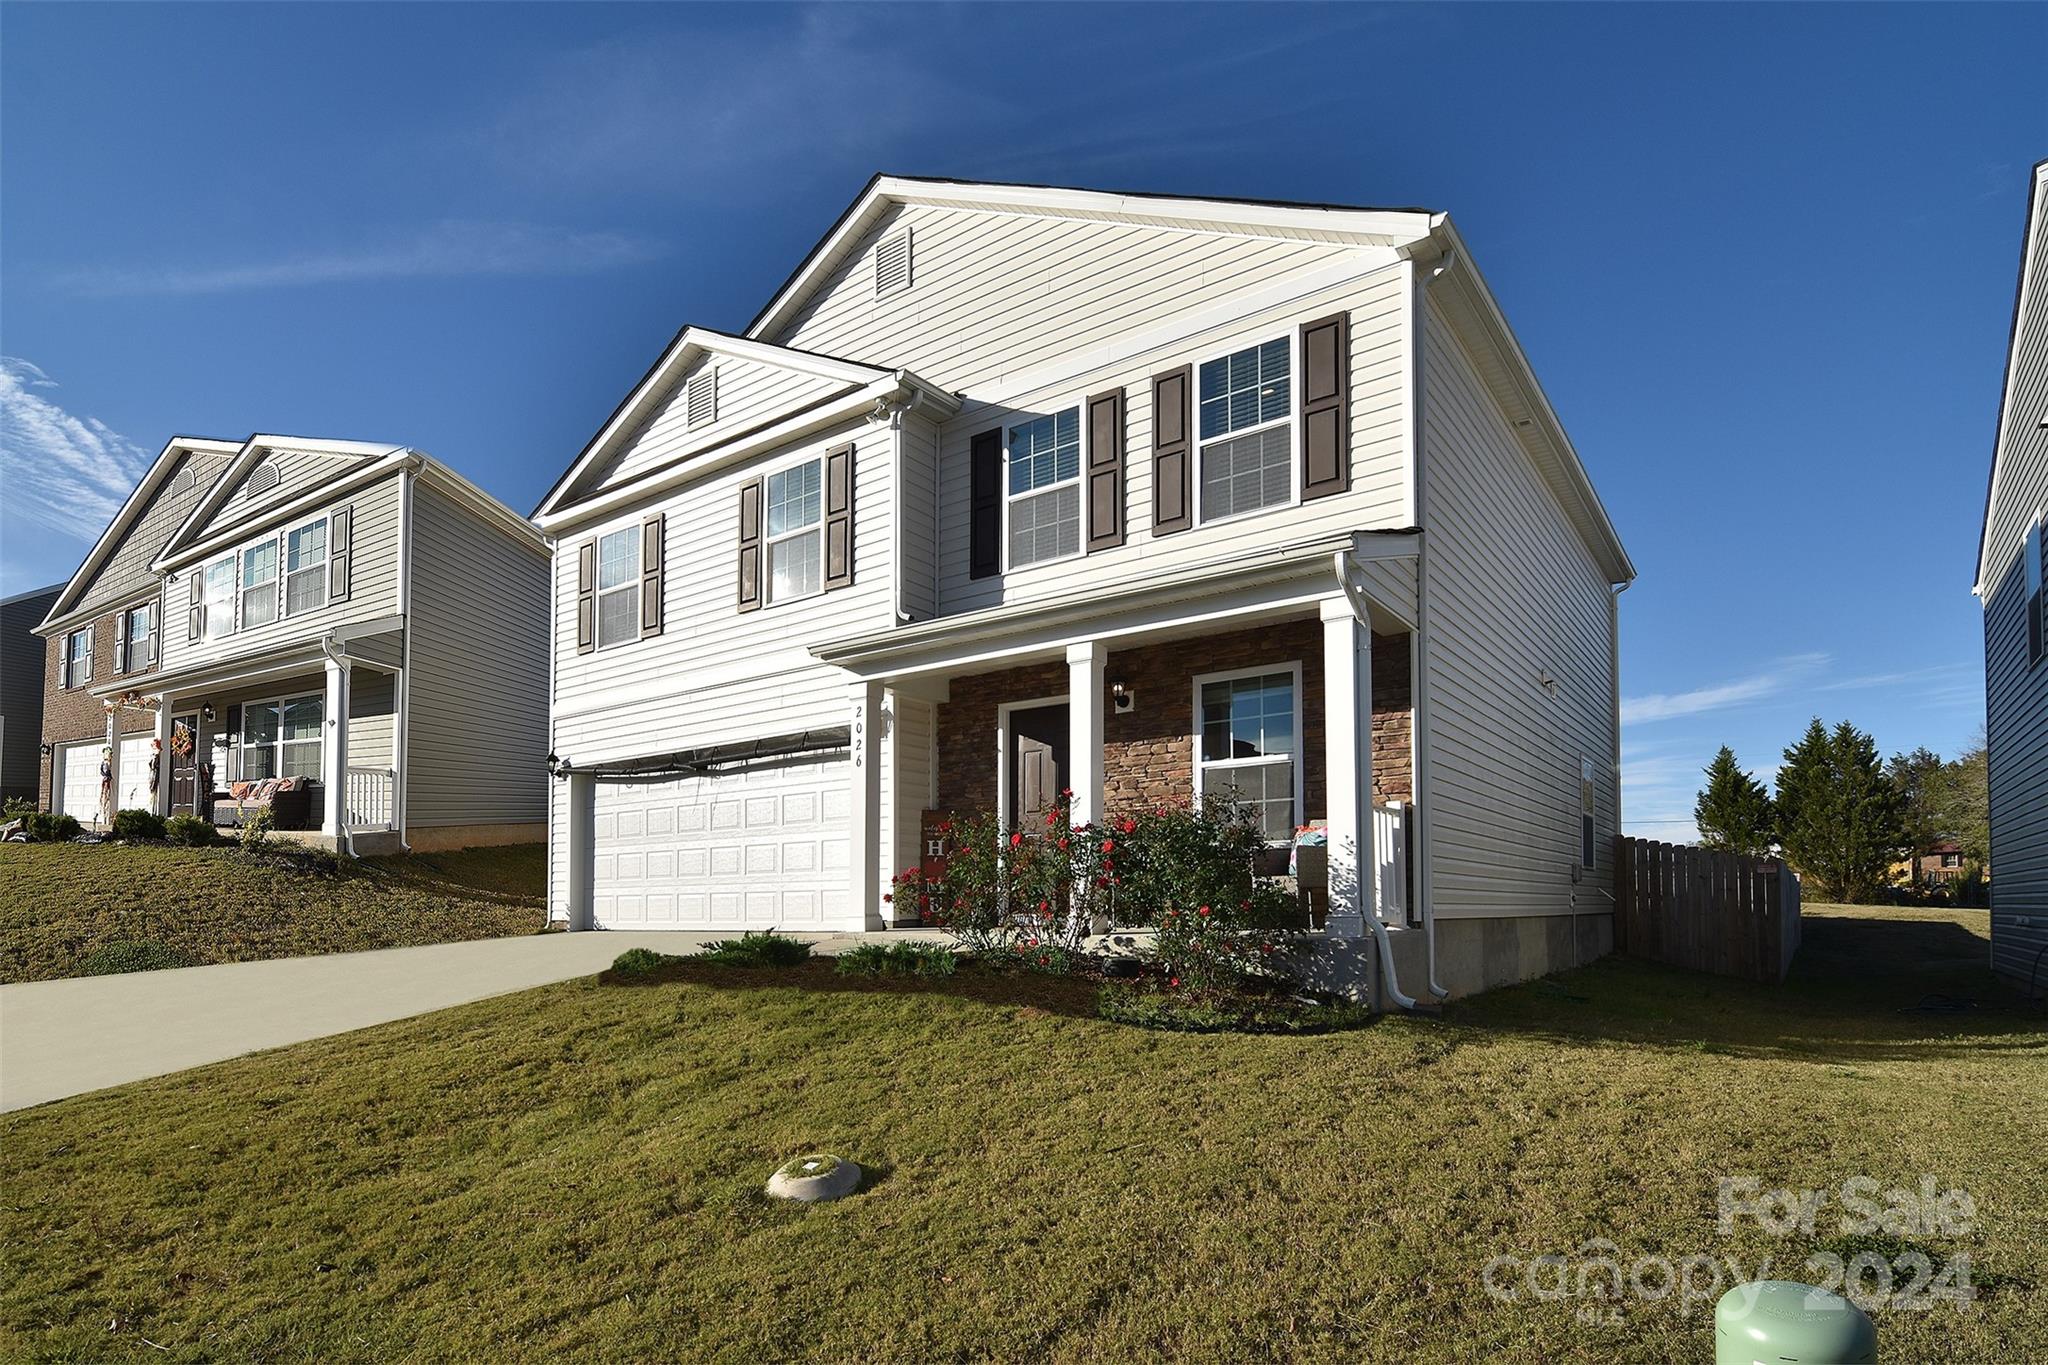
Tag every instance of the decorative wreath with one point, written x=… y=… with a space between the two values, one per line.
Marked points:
x=181 y=741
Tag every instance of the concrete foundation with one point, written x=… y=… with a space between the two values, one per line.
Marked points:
x=442 y=838
x=1472 y=955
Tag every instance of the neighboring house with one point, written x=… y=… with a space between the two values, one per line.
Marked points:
x=21 y=690
x=104 y=633
x=1011 y=489
x=2012 y=563
x=1939 y=863
x=355 y=617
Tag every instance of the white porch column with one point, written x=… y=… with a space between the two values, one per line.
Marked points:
x=163 y=756
x=864 y=744
x=1084 y=728
x=1347 y=738
x=580 y=849
x=110 y=800
x=334 y=750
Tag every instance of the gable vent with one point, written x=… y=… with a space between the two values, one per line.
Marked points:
x=181 y=482
x=892 y=264
x=703 y=400
x=261 y=480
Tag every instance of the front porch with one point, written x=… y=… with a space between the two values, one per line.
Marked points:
x=312 y=734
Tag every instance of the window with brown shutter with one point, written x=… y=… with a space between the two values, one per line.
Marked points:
x=194 y=603
x=1106 y=471
x=985 y=504
x=339 y=527
x=839 y=518
x=750 y=545
x=586 y=597
x=651 y=553
x=1172 y=468
x=1325 y=428
x=121 y=641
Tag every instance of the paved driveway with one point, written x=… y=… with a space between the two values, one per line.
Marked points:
x=60 y=1038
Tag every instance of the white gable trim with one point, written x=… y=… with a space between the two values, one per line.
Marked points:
x=2037 y=204
x=251 y=453
x=1336 y=225
x=687 y=345
x=138 y=500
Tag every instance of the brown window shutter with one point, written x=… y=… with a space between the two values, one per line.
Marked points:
x=586 y=597
x=338 y=528
x=90 y=644
x=1173 y=466
x=985 y=504
x=750 y=544
x=121 y=641
x=195 y=603
x=839 y=518
x=1325 y=428
x=156 y=632
x=651 y=537
x=1106 y=471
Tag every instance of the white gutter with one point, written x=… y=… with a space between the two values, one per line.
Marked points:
x=1367 y=871
x=1421 y=718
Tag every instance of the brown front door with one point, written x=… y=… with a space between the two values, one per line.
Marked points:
x=1038 y=763
x=184 y=764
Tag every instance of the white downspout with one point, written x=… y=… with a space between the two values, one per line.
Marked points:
x=1418 y=678
x=1368 y=866
x=401 y=740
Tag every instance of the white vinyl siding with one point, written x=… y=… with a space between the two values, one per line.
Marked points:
x=298 y=471
x=748 y=395
x=1514 y=596
x=2016 y=688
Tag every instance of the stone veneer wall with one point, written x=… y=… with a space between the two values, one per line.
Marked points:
x=1148 y=755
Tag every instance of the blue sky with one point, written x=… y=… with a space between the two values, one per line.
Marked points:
x=1762 y=258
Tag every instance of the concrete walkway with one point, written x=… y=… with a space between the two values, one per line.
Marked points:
x=60 y=1038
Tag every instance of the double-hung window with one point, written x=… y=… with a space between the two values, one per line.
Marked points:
x=282 y=738
x=1044 y=493
x=220 y=597
x=1245 y=743
x=1247 y=439
x=305 y=568
x=259 y=584
x=78 y=658
x=618 y=587
x=137 y=632
x=795 y=537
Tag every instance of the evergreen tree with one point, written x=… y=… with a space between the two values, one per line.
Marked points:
x=1839 y=817
x=1918 y=779
x=1734 y=811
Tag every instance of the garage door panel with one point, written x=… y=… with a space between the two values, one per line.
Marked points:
x=750 y=850
x=78 y=781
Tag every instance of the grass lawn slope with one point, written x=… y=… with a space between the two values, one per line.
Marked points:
x=62 y=903
x=575 y=1173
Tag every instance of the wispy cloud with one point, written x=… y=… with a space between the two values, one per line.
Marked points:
x=67 y=472
x=1785 y=673
x=446 y=249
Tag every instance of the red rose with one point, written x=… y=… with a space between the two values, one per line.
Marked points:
x=1173 y=981
x=1204 y=911
x=1063 y=844
x=1109 y=845
x=1017 y=839
x=1043 y=904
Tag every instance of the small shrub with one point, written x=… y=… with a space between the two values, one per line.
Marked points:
x=897 y=959
x=131 y=955
x=191 y=831
x=50 y=827
x=640 y=962
x=16 y=807
x=255 y=830
x=138 y=826
x=1035 y=955
x=1226 y=1013
x=756 y=948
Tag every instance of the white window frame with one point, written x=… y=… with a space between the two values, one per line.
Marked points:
x=1249 y=342
x=633 y=535
x=147 y=611
x=230 y=618
x=284 y=570
x=69 y=675
x=768 y=542
x=243 y=587
x=1080 y=481
x=277 y=745
x=1300 y=756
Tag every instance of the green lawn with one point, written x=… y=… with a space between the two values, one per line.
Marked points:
x=60 y=902
x=574 y=1172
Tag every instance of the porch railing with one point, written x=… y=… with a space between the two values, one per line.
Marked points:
x=1390 y=852
x=369 y=793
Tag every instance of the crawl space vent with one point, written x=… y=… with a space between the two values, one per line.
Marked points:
x=892 y=264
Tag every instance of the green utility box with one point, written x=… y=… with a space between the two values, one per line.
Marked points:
x=1777 y=1322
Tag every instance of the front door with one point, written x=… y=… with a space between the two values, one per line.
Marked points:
x=1038 y=763
x=184 y=764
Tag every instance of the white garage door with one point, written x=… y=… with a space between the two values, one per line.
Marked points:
x=741 y=850
x=132 y=789
x=76 y=782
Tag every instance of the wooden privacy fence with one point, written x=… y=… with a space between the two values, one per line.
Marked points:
x=1705 y=911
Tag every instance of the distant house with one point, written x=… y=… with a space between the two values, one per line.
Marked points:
x=1011 y=489
x=2012 y=565
x=21 y=690
x=1939 y=863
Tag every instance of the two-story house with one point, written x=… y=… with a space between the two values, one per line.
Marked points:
x=2012 y=566
x=354 y=617
x=1010 y=489
x=104 y=635
x=21 y=690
